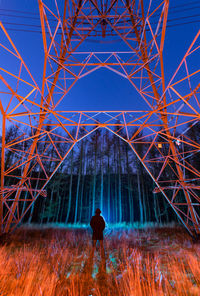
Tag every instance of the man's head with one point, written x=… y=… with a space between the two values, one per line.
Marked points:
x=98 y=212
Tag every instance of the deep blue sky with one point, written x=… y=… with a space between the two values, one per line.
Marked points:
x=102 y=90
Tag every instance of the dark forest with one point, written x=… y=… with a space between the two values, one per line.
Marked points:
x=101 y=171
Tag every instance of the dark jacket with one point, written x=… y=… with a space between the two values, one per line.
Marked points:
x=98 y=225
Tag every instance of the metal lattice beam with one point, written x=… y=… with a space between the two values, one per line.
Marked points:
x=161 y=127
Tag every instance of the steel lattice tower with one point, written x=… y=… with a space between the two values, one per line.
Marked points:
x=161 y=127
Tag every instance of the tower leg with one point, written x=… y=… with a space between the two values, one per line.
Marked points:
x=2 y=169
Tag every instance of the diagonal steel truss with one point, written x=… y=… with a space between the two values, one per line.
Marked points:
x=35 y=112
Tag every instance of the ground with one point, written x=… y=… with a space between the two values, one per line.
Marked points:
x=59 y=261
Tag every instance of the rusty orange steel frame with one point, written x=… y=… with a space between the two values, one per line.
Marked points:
x=162 y=127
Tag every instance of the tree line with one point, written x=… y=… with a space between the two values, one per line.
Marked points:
x=101 y=171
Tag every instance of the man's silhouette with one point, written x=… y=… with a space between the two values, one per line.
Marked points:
x=98 y=225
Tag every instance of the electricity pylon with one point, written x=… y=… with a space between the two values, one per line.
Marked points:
x=41 y=125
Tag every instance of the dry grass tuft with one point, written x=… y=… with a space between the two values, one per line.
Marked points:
x=59 y=262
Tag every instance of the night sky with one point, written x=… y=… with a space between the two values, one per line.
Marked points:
x=103 y=89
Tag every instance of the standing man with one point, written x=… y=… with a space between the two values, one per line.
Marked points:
x=98 y=225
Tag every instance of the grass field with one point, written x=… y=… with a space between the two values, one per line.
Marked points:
x=53 y=261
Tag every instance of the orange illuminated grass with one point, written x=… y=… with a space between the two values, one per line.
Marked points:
x=57 y=262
